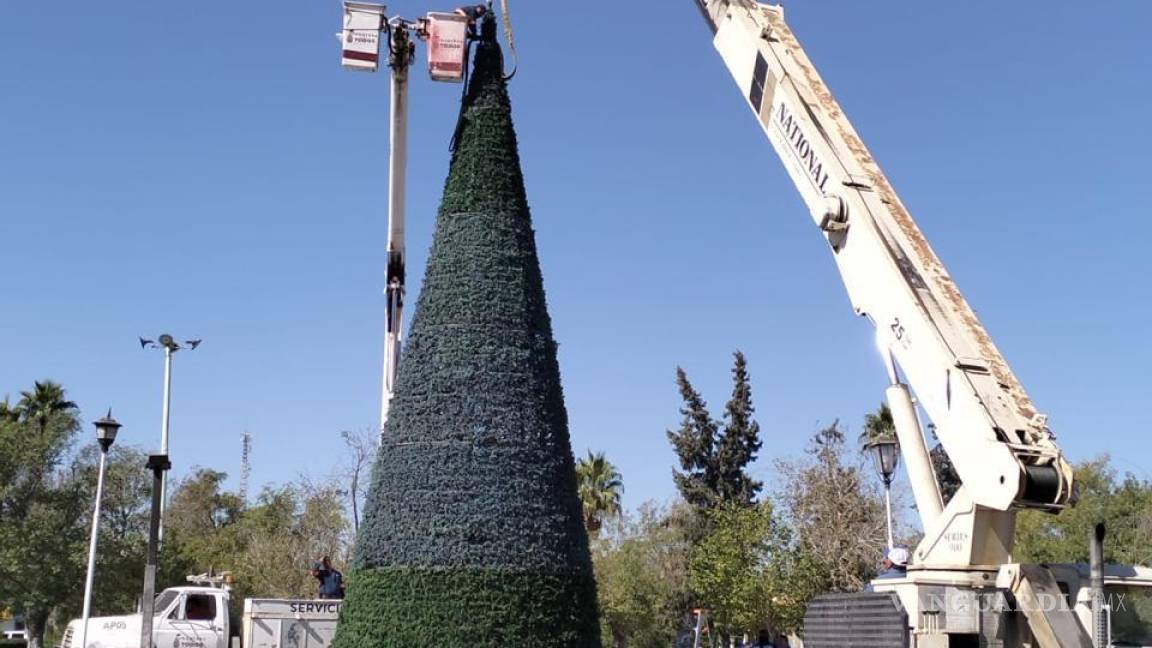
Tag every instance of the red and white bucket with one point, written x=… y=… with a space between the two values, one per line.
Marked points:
x=447 y=46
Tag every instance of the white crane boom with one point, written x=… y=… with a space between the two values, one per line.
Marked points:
x=998 y=442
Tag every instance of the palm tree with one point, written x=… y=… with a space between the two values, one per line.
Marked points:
x=599 y=485
x=43 y=403
x=7 y=411
x=878 y=426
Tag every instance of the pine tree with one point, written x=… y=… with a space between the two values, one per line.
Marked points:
x=472 y=532
x=714 y=462
x=695 y=445
x=741 y=441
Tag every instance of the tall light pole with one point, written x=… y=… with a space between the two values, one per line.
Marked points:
x=170 y=346
x=885 y=453
x=106 y=429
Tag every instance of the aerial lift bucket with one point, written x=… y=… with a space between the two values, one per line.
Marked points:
x=362 y=24
x=447 y=46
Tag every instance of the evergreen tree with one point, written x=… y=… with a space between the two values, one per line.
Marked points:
x=472 y=532
x=741 y=441
x=714 y=462
x=695 y=445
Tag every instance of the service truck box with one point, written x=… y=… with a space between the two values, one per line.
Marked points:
x=289 y=623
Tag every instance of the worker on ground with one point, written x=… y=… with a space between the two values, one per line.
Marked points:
x=331 y=580
x=895 y=564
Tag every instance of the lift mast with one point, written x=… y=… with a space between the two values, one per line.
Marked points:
x=447 y=33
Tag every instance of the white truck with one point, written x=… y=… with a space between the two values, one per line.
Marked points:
x=197 y=616
x=963 y=585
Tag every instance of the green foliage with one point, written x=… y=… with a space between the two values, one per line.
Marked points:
x=641 y=566
x=1124 y=504
x=200 y=521
x=269 y=546
x=750 y=573
x=599 y=485
x=878 y=426
x=695 y=445
x=740 y=442
x=472 y=532
x=46 y=491
x=43 y=506
x=713 y=464
x=450 y=606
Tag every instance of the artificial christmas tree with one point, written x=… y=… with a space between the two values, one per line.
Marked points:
x=472 y=534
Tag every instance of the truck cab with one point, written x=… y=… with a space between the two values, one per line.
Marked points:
x=191 y=617
x=184 y=617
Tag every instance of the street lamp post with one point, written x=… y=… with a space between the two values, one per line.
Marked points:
x=885 y=453
x=170 y=346
x=106 y=429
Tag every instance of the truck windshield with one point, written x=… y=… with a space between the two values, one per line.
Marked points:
x=1131 y=614
x=163 y=601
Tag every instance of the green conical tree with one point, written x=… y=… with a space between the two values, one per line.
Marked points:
x=472 y=533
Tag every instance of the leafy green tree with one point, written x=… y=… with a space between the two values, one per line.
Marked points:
x=641 y=563
x=599 y=485
x=124 y=513
x=740 y=442
x=1123 y=503
x=42 y=507
x=728 y=568
x=280 y=536
x=472 y=532
x=200 y=522
x=714 y=463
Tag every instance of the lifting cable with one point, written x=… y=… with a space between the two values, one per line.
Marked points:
x=507 y=19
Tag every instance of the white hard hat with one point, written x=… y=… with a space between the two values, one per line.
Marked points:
x=898 y=556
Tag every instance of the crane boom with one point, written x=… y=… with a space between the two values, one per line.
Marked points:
x=999 y=443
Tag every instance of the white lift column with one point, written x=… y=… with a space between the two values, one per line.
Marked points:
x=917 y=461
x=400 y=58
x=448 y=36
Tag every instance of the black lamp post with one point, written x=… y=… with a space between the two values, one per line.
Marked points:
x=159 y=465
x=885 y=454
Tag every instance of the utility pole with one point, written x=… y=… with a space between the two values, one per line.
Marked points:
x=170 y=346
x=159 y=465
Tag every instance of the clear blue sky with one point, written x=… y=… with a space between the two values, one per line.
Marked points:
x=208 y=169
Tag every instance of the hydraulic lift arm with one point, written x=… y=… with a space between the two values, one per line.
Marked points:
x=999 y=443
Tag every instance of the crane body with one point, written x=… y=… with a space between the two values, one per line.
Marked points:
x=962 y=580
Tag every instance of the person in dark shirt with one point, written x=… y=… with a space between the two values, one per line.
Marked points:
x=331 y=580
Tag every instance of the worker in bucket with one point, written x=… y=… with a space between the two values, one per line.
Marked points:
x=895 y=564
x=331 y=580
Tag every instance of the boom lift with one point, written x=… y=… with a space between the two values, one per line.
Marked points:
x=447 y=36
x=933 y=346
